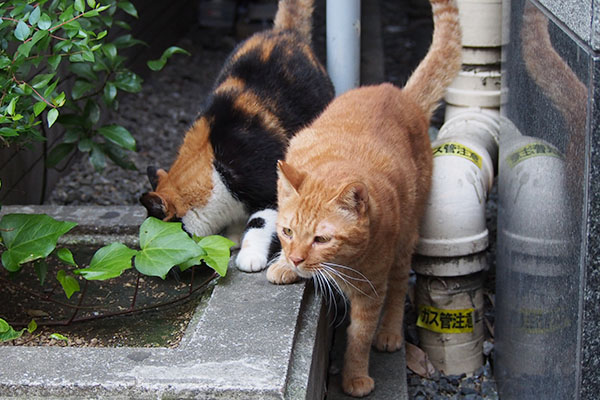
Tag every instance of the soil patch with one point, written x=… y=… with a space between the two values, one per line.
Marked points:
x=101 y=311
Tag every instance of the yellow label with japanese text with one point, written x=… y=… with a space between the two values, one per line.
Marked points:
x=459 y=150
x=532 y=150
x=446 y=321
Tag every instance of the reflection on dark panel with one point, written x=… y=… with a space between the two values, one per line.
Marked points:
x=540 y=186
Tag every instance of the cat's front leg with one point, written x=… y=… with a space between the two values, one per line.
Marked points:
x=364 y=313
x=390 y=334
x=281 y=272
x=259 y=238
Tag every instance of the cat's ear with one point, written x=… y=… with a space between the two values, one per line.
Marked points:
x=289 y=177
x=354 y=197
x=154 y=175
x=155 y=204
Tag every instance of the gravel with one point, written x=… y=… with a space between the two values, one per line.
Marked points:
x=159 y=115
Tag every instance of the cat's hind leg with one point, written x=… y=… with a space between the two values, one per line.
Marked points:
x=258 y=241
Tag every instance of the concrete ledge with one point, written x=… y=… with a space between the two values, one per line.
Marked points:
x=253 y=340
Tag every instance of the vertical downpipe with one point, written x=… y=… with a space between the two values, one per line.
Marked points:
x=343 y=44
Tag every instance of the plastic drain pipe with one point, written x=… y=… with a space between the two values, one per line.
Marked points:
x=465 y=153
x=343 y=44
x=450 y=252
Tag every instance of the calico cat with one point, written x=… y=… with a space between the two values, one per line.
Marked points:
x=352 y=190
x=226 y=170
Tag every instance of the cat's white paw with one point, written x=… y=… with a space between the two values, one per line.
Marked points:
x=251 y=260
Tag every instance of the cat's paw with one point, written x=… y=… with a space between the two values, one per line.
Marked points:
x=281 y=273
x=388 y=341
x=251 y=260
x=358 y=386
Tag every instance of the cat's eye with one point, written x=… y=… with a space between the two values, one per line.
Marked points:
x=287 y=232
x=322 y=239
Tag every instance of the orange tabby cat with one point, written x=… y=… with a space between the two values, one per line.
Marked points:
x=351 y=193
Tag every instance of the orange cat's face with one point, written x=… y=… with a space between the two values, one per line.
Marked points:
x=319 y=224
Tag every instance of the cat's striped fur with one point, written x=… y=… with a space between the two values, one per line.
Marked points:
x=352 y=191
x=271 y=85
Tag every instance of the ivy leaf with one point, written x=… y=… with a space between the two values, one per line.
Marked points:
x=108 y=262
x=163 y=245
x=119 y=136
x=22 y=31
x=29 y=237
x=32 y=326
x=68 y=283
x=66 y=256
x=51 y=117
x=58 y=336
x=157 y=65
x=7 y=332
x=218 y=252
x=4 y=326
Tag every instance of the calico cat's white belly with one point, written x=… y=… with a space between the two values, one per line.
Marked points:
x=221 y=211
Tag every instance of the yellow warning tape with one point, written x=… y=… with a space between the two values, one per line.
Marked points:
x=445 y=321
x=532 y=150
x=457 y=149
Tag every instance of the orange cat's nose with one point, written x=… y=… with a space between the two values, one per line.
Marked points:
x=296 y=260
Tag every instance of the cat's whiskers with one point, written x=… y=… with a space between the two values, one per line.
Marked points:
x=345 y=277
x=327 y=279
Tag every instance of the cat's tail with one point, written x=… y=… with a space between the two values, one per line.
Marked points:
x=295 y=15
x=437 y=70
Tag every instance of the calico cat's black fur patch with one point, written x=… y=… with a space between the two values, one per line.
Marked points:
x=292 y=89
x=256 y=223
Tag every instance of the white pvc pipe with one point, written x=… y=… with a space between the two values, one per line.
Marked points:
x=343 y=44
x=465 y=153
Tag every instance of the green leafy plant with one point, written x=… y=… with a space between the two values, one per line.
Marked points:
x=60 y=63
x=31 y=238
x=163 y=245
